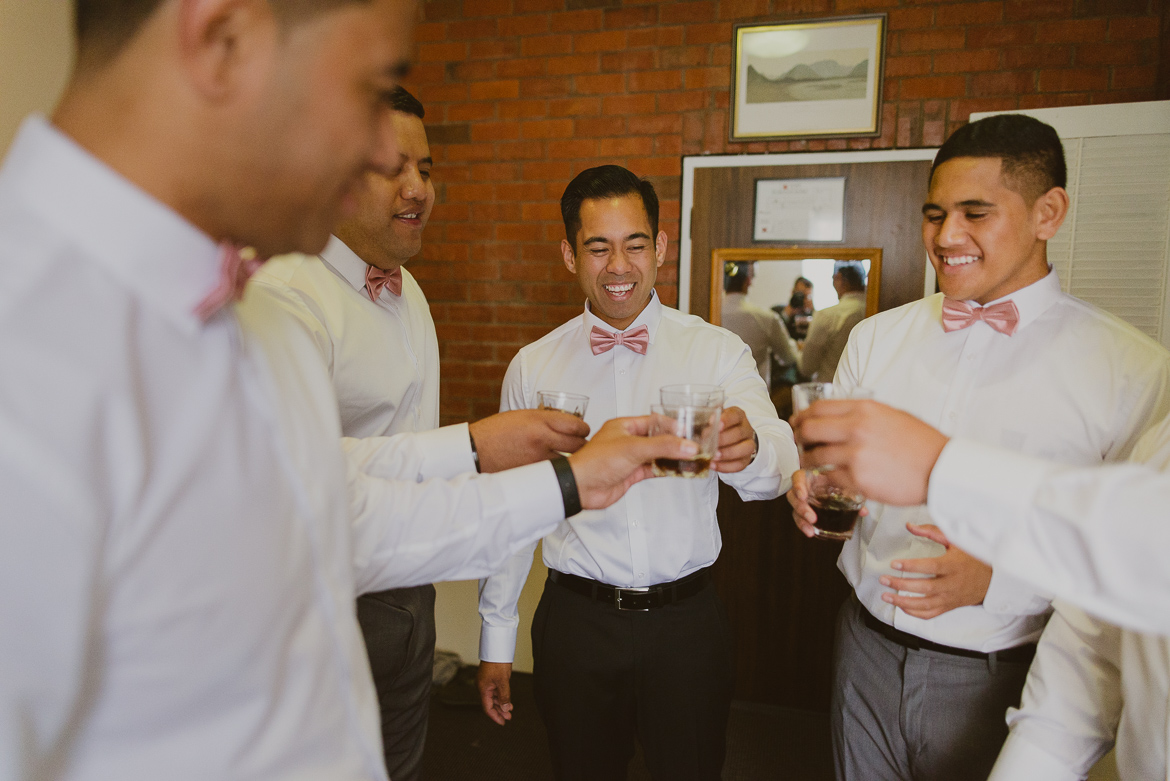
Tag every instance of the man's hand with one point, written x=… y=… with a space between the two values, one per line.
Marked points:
x=885 y=453
x=494 y=680
x=620 y=455
x=525 y=436
x=802 y=513
x=957 y=579
x=737 y=442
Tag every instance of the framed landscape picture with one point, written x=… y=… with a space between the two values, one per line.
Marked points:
x=819 y=77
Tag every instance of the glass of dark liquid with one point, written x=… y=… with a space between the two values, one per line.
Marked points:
x=700 y=424
x=837 y=506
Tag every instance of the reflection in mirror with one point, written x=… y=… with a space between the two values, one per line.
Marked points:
x=794 y=311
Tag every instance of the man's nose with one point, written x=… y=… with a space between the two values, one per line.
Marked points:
x=619 y=262
x=950 y=232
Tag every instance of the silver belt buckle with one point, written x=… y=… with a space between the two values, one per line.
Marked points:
x=617 y=599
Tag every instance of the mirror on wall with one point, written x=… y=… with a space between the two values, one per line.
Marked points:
x=771 y=298
x=777 y=270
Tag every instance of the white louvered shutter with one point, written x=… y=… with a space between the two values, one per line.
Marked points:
x=1114 y=247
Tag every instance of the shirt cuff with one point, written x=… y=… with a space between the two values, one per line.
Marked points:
x=1020 y=760
x=446 y=451
x=497 y=644
x=1010 y=596
x=977 y=493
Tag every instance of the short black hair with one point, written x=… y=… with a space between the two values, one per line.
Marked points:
x=1030 y=151
x=401 y=100
x=605 y=181
x=852 y=274
x=735 y=275
x=104 y=27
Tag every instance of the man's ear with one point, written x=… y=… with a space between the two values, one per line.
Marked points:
x=569 y=256
x=660 y=248
x=226 y=43
x=1049 y=211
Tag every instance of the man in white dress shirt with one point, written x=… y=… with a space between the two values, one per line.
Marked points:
x=630 y=639
x=182 y=539
x=936 y=645
x=1096 y=537
x=371 y=321
x=761 y=329
x=830 y=327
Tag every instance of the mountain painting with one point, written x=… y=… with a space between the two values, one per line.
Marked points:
x=824 y=75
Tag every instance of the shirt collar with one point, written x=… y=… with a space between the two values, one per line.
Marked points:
x=650 y=317
x=151 y=248
x=1035 y=299
x=345 y=262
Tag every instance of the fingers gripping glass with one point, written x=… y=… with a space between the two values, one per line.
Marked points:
x=837 y=505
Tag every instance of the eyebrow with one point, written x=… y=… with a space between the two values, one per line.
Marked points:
x=602 y=239
x=426 y=161
x=968 y=204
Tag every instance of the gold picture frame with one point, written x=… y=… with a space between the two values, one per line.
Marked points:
x=808 y=79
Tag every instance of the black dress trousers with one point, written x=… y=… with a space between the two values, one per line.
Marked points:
x=605 y=677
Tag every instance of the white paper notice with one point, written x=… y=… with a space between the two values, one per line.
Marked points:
x=800 y=209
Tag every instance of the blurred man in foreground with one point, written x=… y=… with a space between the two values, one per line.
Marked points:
x=182 y=539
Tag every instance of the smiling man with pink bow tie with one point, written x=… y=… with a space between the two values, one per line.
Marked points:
x=935 y=646
x=668 y=681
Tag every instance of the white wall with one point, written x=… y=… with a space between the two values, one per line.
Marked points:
x=36 y=53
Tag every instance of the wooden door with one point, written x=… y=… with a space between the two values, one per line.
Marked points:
x=781 y=589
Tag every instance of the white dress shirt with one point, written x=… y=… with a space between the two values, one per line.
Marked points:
x=663 y=529
x=761 y=329
x=182 y=539
x=828 y=333
x=1092 y=683
x=383 y=356
x=1074 y=385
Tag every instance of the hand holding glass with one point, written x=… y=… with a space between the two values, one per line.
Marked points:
x=837 y=506
x=698 y=424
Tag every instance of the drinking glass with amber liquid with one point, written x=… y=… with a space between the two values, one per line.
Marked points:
x=573 y=403
x=698 y=424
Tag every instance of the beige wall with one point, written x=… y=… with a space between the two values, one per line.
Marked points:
x=36 y=51
x=457 y=617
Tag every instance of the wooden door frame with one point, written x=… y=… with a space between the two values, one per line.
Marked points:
x=873 y=282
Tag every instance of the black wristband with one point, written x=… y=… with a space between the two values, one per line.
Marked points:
x=474 y=452
x=568 y=484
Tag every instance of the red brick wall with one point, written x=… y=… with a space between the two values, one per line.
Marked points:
x=523 y=94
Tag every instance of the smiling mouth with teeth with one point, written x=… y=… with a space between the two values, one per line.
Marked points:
x=959 y=260
x=617 y=289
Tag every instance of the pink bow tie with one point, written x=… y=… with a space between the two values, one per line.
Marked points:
x=234 y=272
x=601 y=340
x=1003 y=317
x=377 y=278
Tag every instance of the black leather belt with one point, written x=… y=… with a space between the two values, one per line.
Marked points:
x=642 y=599
x=1020 y=653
